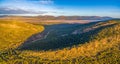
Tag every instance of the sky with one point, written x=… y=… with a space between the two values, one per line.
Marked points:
x=61 y=7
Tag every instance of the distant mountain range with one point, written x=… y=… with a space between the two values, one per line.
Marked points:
x=77 y=17
x=65 y=17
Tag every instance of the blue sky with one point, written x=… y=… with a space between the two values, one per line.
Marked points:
x=61 y=7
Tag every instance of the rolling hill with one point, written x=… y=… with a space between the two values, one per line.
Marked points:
x=50 y=20
x=13 y=33
x=96 y=43
x=64 y=35
x=103 y=47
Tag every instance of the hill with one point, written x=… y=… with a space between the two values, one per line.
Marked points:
x=96 y=43
x=102 y=48
x=50 y=20
x=13 y=33
x=47 y=17
x=64 y=35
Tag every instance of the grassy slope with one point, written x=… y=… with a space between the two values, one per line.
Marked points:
x=105 y=45
x=55 y=40
x=104 y=48
x=13 y=33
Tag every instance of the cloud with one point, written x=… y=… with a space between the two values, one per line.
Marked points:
x=46 y=2
x=5 y=10
x=43 y=2
x=11 y=11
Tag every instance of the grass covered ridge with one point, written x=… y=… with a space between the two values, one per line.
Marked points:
x=14 y=33
x=104 y=39
x=104 y=48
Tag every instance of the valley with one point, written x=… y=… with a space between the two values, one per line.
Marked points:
x=59 y=32
x=25 y=42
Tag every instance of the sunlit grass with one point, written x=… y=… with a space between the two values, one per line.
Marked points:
x=14 y=33
x=105 y=39
x=103 y=49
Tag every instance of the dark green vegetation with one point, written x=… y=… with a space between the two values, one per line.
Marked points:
x=57 y=36
x=93 y=43
x=64 y=35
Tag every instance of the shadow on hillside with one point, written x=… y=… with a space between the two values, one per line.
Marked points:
x=61 y=42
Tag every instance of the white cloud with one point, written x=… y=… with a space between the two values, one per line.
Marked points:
x=46 y=2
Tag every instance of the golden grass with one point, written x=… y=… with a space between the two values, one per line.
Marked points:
x=106 y=39
x=14 y=33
